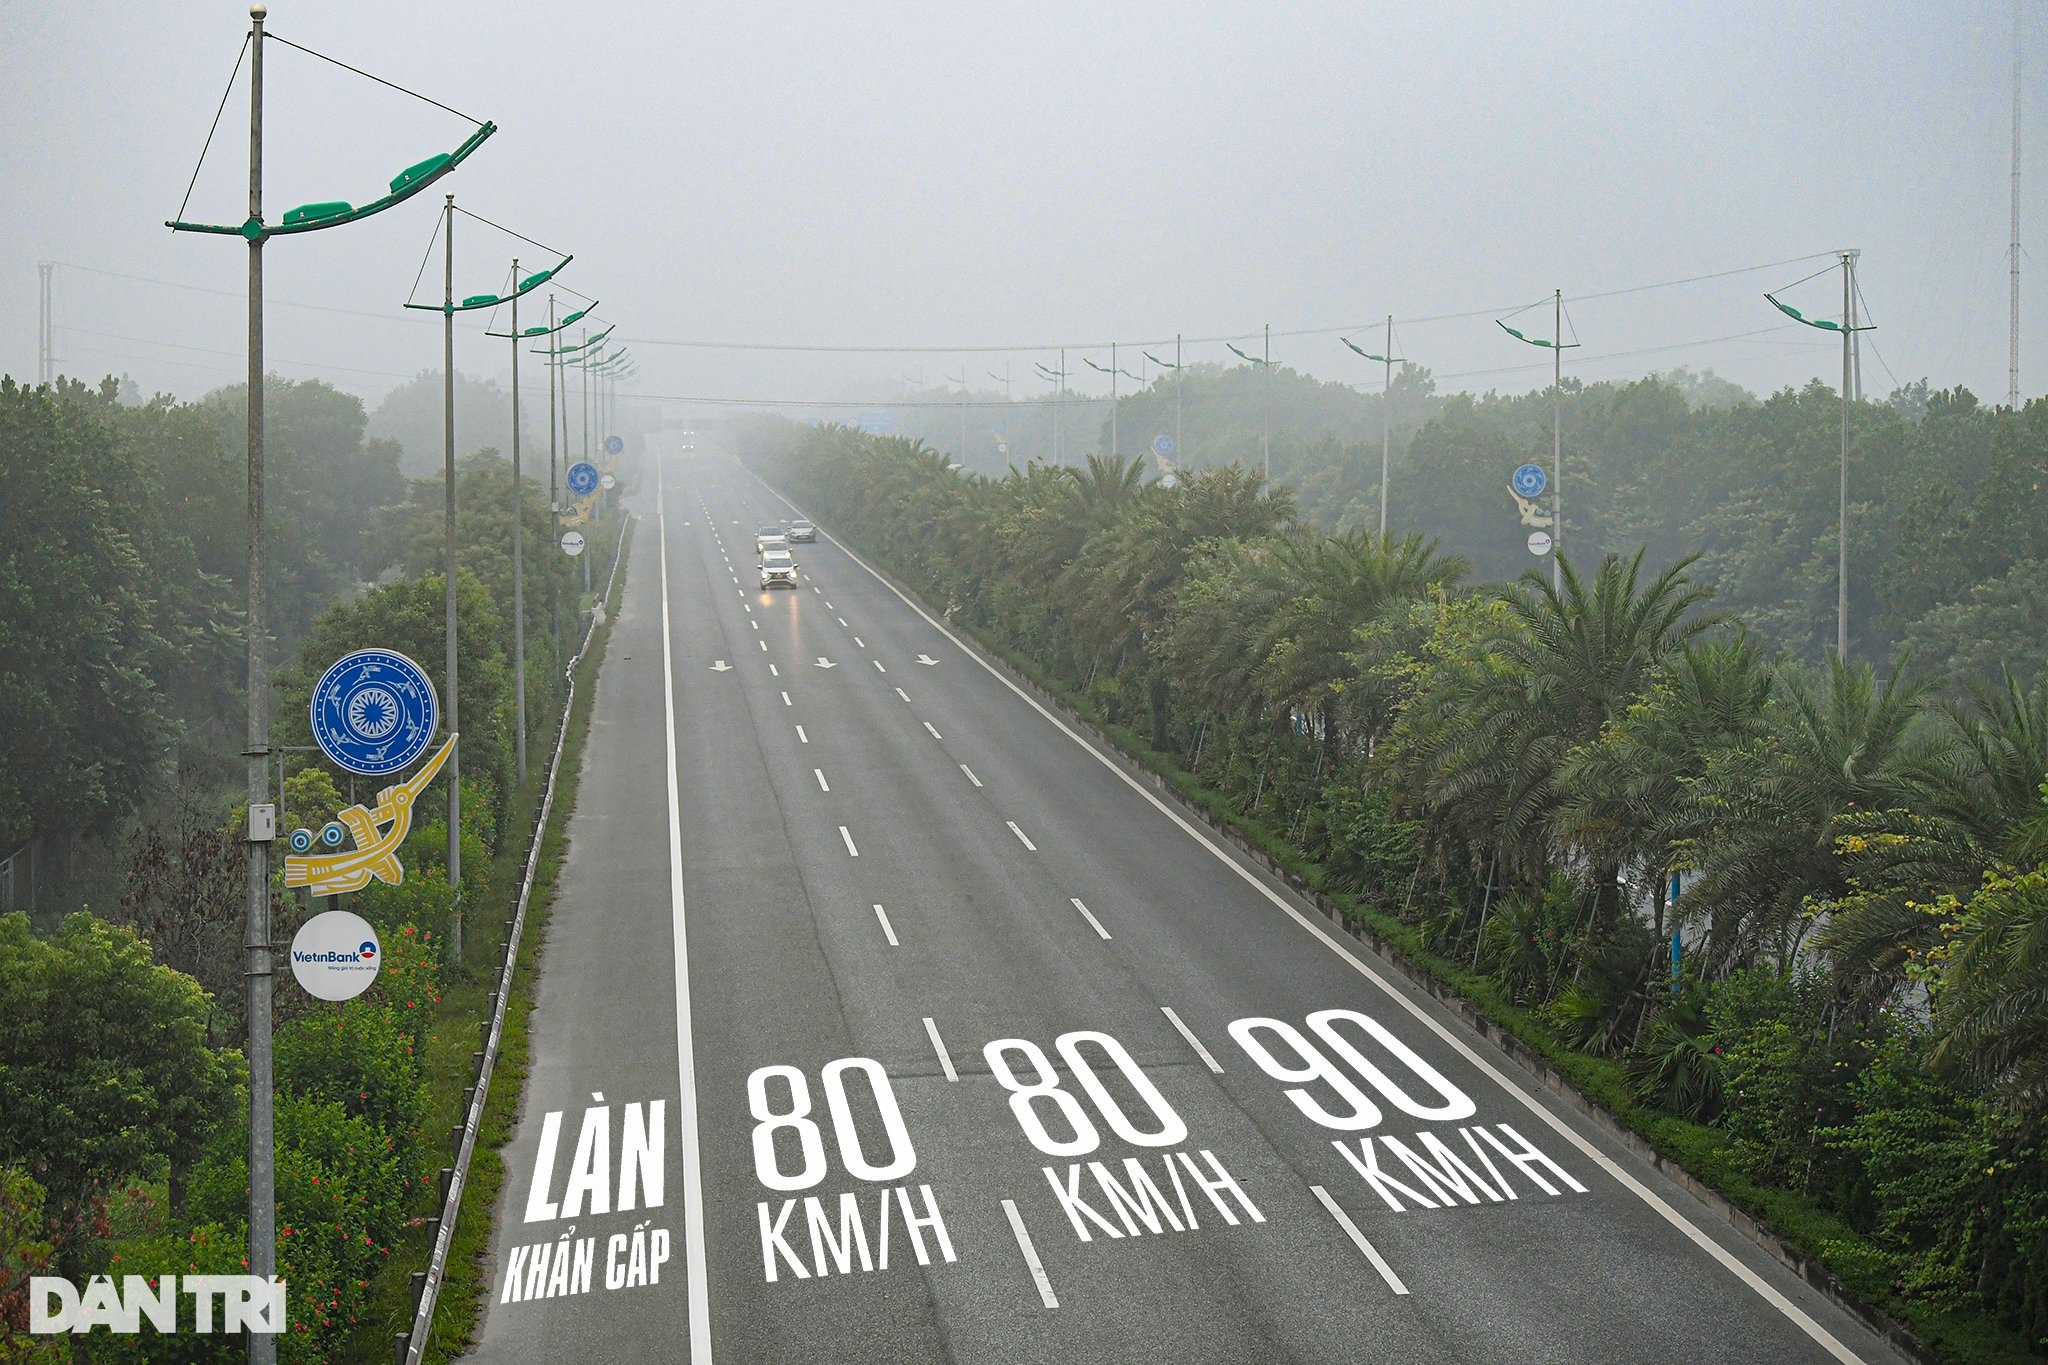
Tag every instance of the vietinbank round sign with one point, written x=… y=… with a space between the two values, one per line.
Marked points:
x=335 y=955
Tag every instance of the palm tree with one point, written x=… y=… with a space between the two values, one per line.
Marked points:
x=1633 y=795
x=1489 y=736
x=1829 y=748
x=1977 y=811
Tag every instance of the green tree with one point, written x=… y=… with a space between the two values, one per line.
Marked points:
x=104 y=1067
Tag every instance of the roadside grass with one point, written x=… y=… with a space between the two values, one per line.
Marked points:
x=456 y=1034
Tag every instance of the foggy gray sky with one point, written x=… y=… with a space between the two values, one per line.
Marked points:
x=952 y=175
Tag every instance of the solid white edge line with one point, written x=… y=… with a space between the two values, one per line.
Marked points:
x=697 y=1277
x=970 y=774
x=1692 y=1232
x=1189 y=1034
x=1089 y=915
x=847 y=835
x=931 y=1027
x=823 y=786
x=888 y=930
x=1020 y=834
x=1358 y=1239
x=1038 y=1276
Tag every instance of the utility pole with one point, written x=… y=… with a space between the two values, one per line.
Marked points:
x=1179 y=453
x=1557 y=437
x=1059 y=401
x=448 y=571
x=256 y=911
x=1112 y=401
x=1386 y=423
x=1855 y=341
x=518 y=554
x=2012 y=370
x=1842 y=504
x=46 y=362
x=1266 y=419
x=554 y=529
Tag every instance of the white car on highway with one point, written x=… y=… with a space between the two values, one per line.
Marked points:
x=778 y=569
x=802 y=530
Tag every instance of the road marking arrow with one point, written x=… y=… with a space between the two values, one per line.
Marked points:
x=721 y=667
x=824 y=662
x=927 y=660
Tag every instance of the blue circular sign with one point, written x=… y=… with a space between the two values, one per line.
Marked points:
x=583 y=478
x=1162 y=444
x=614 y=444
x=1530 y=480
x=374 y=712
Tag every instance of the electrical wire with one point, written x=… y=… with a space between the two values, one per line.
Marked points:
x=1223 y=338
x=508 y=231
x=239 y=58
x=368 y=77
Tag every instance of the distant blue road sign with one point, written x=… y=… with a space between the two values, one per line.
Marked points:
x=614 y=444
x=1530 y=480
x=374 y=712
x=877 y=423
x=1162 y=444
x=583 y=478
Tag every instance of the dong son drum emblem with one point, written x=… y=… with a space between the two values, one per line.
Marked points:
x=374 y=713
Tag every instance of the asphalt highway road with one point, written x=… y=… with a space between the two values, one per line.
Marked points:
x=884 y=1019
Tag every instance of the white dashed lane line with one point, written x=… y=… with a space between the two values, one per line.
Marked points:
x=847 y=835
x=1187 y=1033
x=1358 y=1239
x=1087 y=914
x=888 y=930
x=802 y=738
x=1038 y=1275
x=939 y=1046
x=935 y=734
x=970 y=774
x=1020 y=834
x=823 y=785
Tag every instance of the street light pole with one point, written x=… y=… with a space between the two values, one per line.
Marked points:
x=518 y=550
x=1842 y=496
x=452 y=704
x=1557 y=436
x=256 y=913
x=1386 y=425
x=1848 y=327
x=554 y=616
x=1266 y=418
x=1178 y=452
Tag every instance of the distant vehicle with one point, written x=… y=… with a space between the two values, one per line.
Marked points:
x=802 y=530
x=768 y=537
x=778 y=569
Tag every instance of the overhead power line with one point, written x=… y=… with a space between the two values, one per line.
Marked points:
x=1106 y=342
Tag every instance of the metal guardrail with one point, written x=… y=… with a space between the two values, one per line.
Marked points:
x=409 y=1347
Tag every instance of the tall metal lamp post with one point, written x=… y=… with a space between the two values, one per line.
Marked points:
x=1390 y=360
x=1557 y=346
x=1113 y=371
x=256 y=929
x=448 y=308
x=1848 y=327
